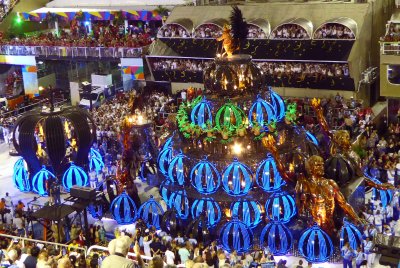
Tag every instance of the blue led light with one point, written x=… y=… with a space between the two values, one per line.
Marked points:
x=280 y=206
x=96 y=163
x=311 y=137
x=123 y=209
x=278 y=104
x=201 y=113
x=350 y=233
x=237 y=178
x=39 y=181
x=151 y=212
x=249 y=212
x=205 y=177
x=74 y=175
x=315 y=245
x=95 y=154
x=96 y=210
x=177 y=169
x=179 y=200
x=164 y=191
x=236 y=236
x=163 y=160
x=262 y=112
x=209 y=208
x=268 y=176
x=277 y=237
x=20 y=176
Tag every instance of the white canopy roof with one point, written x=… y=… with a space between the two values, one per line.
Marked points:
x=112 y=4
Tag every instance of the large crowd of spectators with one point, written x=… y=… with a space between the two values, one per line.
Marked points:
x=208 y=30
x=289 y=31
x=255 y=32
x=392 y=33
x=102 y=36
x=189 y=65
x=334 y=31
x=173 y=30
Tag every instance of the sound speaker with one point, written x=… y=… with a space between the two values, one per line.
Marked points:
x=85 y=193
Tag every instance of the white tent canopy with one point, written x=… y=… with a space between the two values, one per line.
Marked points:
x=112 y=4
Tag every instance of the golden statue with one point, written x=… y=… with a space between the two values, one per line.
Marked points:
x=340 y=143
x=315 y=194
x=227 y=41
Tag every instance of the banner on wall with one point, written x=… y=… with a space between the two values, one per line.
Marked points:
x=132 y=69
x=30 y=79
x=18 y=60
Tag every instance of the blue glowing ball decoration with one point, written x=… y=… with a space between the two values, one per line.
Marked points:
x=315 y=245
x=278 y=104
x=268 y=176
x=198 y=228
x=171 y=222
x=20 y=176
x=39 y=181
x=164 y=191
x=180 y=202
x=96 y=163
x=209 y=208
x=151 y=212
x=236 y=236
x=96 y=211
x=74 y=175
x=261 y=112
x=168 y=142
x=123 y=209
x=246 y=211
x=205 y=177
x=237 y=178
x=281 y=207
x=95 y=154
x=163 y=160
x=201 y=113
x=277 y=237
x=384 y=195
x=177 y=169
x=350 y=233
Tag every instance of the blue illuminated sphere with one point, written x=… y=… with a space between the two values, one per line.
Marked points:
x=350 y=233
x=96 y=163
x=236 y=236
x=163 y=160
x=277 y=237
x=278 y=105
x=74 y=175
x=205 y=177
x=95 y=154
x=267 y=175
x=261 y=112
x=168 y=142
x=39 y=181
x=201 y=113
x=20 y=176
x=164 y=191
x=177 y=169
x=237 y=178
x=151 y=212
x=249 y=212
x=123 y=209
x=315 y=245
x=209 y=208
x=280 y=206
x=180 y=202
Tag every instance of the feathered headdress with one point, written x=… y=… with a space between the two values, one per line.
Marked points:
x=239 y=28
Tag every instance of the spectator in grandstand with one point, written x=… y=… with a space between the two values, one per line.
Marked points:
x=173 y=31
x=334 y=31
x=208 y=30
x=289 y=31
x=255 y=32
x=31 y=260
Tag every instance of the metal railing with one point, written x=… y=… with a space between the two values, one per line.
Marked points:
x=57 y=245
x=146 y=259
x=390 y=48
x=74 y=52
x=22 y=110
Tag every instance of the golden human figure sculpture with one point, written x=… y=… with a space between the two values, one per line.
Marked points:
x=340 y=143
x=315 y=194
x=227 y=41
